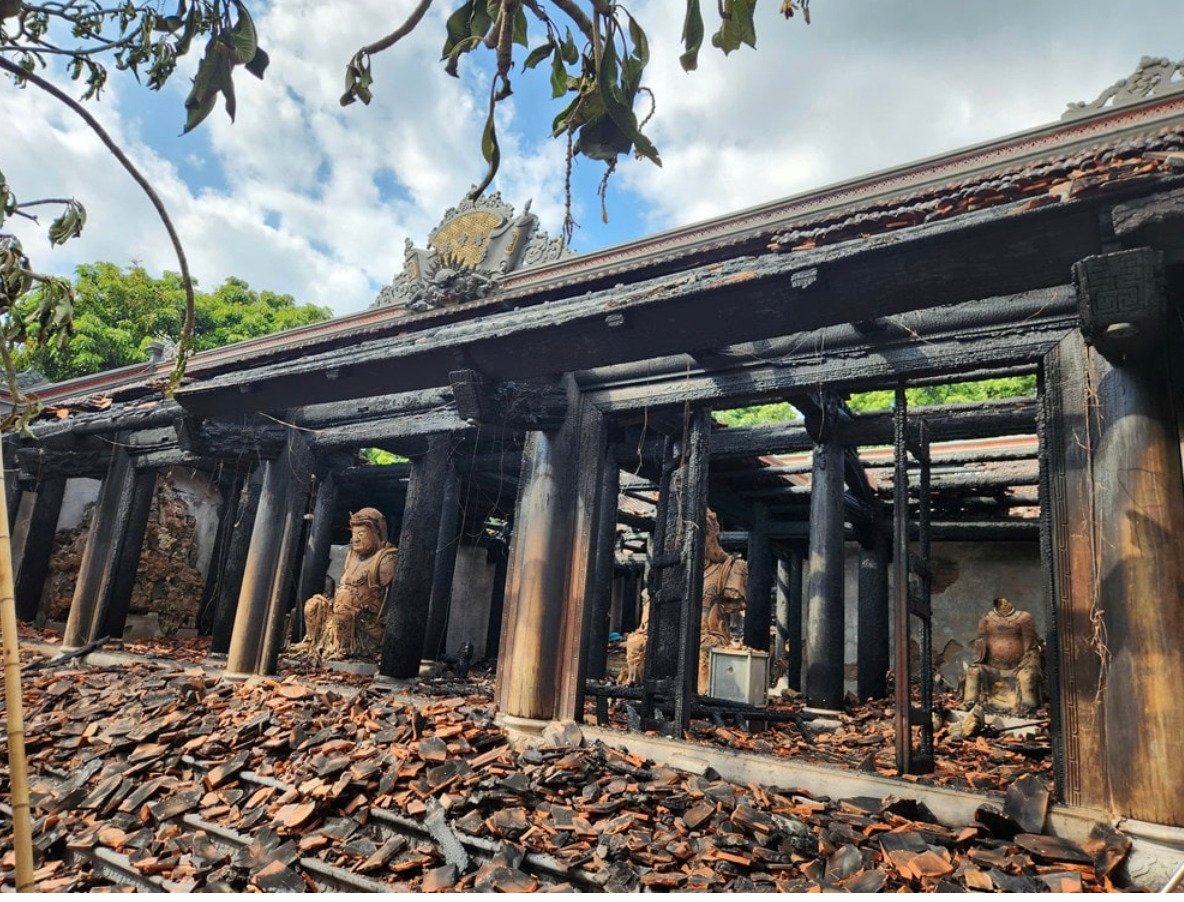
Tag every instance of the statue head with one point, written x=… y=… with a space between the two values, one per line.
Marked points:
x=713 y=551
x=367 y=531
x=1003 y=607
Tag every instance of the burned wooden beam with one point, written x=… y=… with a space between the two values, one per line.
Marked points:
x=993 y=252
x=33 y=566
x=978 y=339
x=402 y=434
x=221 y=439
x=946 y=423
x=510 y=405
x=44 y=463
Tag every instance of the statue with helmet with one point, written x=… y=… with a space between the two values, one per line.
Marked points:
x=350 y=624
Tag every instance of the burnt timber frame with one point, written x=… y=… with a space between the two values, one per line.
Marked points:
x=998 y=290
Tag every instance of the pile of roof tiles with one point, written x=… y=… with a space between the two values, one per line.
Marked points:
x=865 y=740
x=125 y=758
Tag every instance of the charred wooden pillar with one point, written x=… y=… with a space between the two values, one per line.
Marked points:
x=230 y=485
x=825 y=637
x=127 y=561
x=758 y=615
x=315 y=563
x=1117 y=514
x=268 y=572
x=38 y=547
x=100 y=565
x=872 y=638
x=12 y=487
x=497 y=601
x=602 y=579
x=789 y=615
x=541 y=661
x=230 y=578
x=676 y=571
x=409 y=596
x=447 y=543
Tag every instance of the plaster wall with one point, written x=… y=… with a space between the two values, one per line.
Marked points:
x=967 y=577
x=79 y=493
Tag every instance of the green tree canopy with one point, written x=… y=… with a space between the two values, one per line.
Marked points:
x=119 y=312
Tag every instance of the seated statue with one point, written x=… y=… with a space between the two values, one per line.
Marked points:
x=633 y=672
x=351 y=623
x=725 y=583
x=1007 y=649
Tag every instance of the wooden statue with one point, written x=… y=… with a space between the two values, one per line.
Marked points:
x=350 y=624
x=1007 y=652
x=634 y=670
x=725 y=582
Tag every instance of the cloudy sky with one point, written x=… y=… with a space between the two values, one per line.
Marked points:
x=302 y=196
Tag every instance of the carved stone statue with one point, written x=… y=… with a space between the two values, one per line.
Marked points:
x=725 y=583
x=350 y=624
x=1007 y=649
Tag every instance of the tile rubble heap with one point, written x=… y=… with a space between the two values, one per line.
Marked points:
x=151 y=760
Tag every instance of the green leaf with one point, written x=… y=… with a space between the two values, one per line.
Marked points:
x=243 y=39
x=692 y=36
x=480 y=24
x=537 y=55
x=558 y=76
x=490 y=150
x=258 y=64
x=520 y=27
x=457 y=27
x=571 y=53
x=737 y=27
x=641 y=44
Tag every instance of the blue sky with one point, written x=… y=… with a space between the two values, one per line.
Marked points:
x=305 y=197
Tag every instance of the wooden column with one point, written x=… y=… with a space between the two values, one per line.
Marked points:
x=1116 y=505
x=230 y=485
x=230 y=578
x=127 y=559
x=873 y=646
x=38 y=547
x=759 y=615
x=97 y=570
x=314 y=565
x=447 y=543
x=825 y=637
x=541 y=662
x=602 y=578
x=269 y=558
x=410 y=593
x=789 y=615
x=497 y=601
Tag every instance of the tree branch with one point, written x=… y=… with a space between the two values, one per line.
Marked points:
x=186 y=338
x=399 y=33
x=577 y=15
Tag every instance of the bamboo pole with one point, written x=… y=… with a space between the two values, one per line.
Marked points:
x=22 y=840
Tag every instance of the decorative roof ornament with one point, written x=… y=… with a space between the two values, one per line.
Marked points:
x=1155 y=77
x=476 y=244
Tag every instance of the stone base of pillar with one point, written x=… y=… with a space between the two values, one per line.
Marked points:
x=826 y=718
x=390 y=684
x=361 y=668
x=218 y=657
x=521 y=730
x=426 y=667
x=235 y=677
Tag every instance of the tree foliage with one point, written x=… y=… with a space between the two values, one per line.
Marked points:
x=118 y=313
x=870 y=401
x=596 y=54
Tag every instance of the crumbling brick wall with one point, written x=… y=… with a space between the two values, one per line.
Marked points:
x=167 y=580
